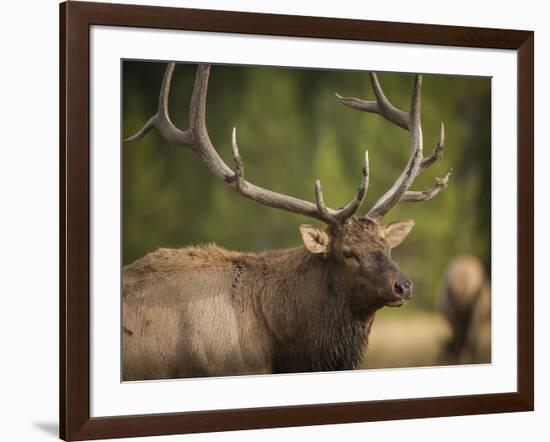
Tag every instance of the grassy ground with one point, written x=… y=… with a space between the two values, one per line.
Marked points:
x=401 y=338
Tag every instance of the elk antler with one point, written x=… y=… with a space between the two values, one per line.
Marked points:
x=197 y=139
x=409 y=121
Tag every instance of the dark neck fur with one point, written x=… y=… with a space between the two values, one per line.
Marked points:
x=310 y=320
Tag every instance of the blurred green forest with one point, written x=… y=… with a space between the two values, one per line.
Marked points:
x=292 y=131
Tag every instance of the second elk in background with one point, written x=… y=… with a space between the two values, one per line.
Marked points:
x=465 y=301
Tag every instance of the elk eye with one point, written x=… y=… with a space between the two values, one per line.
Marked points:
x=348 y=254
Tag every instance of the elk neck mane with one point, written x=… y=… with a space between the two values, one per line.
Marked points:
x=309 y=306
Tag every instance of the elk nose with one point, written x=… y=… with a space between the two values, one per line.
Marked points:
x=403 y=289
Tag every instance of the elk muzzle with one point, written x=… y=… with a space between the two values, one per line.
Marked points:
x=402 y=290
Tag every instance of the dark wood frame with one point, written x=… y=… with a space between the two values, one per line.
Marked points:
x=75 y=21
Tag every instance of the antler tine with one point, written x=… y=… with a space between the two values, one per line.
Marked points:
x=438 y=150
x=412 y=196
x=410 y=121
x=320 y=202
x=381 y=106
x=161 y=120
x=197 y=139
x=354 y=205
x=239 y=168
x=339 y=216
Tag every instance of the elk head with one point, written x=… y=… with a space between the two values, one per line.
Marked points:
x=358 y=246
x=360 y=253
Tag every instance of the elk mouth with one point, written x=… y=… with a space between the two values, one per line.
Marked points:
x=396 y=303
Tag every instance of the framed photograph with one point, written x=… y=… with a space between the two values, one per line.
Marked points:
x=272 y=221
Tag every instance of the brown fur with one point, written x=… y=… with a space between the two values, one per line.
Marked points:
x=206 y=311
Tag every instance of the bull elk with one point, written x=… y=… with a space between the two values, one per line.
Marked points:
x=205 y=311
x=465 y=301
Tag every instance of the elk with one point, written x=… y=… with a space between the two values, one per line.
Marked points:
x=465 y=302
x=205 y=311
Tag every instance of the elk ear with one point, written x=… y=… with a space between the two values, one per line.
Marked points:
x=315 y=240
x=396 y=232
